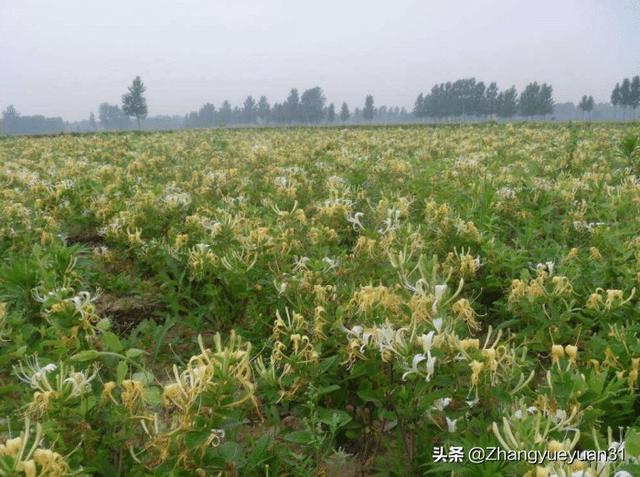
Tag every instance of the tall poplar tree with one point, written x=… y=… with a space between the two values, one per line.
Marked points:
x=134 y=103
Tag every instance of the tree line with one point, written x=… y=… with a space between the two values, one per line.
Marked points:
x=14 y=123
x=626 y=95
x=469 y=98
x=310 y=107
x=461 y=100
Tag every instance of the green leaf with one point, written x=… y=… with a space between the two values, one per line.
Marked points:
x=194 y=439
x=88 y=355
x=153 y=395
x=121 y=371
x=260 y=451
x=233 y=452
x=145 y=377
x=632 y=442
x=134 y=353
x=327 y=389
x=303 y=438
x=633 y=469
x=112 y=342
x=327 y=363
x=369 y=395
x=333 y=417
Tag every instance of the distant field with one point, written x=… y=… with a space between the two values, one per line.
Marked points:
x=319 y=301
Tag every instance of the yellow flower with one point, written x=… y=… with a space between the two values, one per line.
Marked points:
x=562 y=286
x=573 y=253
x=557 y=352
x=572 y=353
x=132 y=394
x=595 y=254
x=107 y=392
x=469 y=343
x=541 y=471
x=594 y=301
x=462 y=308
x=476 y=369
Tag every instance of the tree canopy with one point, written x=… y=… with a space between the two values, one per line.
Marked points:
x=134 y=103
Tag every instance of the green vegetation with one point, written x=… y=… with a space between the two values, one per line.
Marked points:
x=319 y=301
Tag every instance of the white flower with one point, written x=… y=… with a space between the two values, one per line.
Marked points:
x=330 y=262
x=391 y=223
x=281 y=181
x=301 y=264
x=215 y=438
x=622 y=473
x=280 y=287
x=177 y=199
x=547 y=266
x=50 y=368
x=354 y=220
x=431 y=365
x=33 y=374
x=440 y=290
x=550 y=266
x=451 y=424
x=441 y=404
x=560 y=416
x=83 y=299
x=355 y=331
x=80 y=382
x=437 y=324
x=427 y=341
x=417 y=359
x=506 y=193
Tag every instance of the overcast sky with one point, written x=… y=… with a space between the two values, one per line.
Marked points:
x=64 y=57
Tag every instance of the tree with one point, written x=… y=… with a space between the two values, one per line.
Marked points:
x=369 y=109
x=312 y=105
x=616 y=96
x=249 y=110
x=225 y=112
x=134 y=103
x=344 y=112
x=418 y=107
x=528 y=104
x=491 y=99
x=10 y=119
x=625 y=96
x=207 y=116
x=478 y=103
x=191 y=120
x=634 y=99
x=545 y=100
x=331 y=113
x=536 y=100
x=507 y=103
x=264 y=109
x=14 y=123
x=292 y=106
x=586 y=105
x=92 y=122
x=278 y=113
x=112 y=118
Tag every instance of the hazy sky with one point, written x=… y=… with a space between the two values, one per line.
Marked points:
x=64 y=57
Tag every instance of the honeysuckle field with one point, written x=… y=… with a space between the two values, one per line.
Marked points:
x=319 y=301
